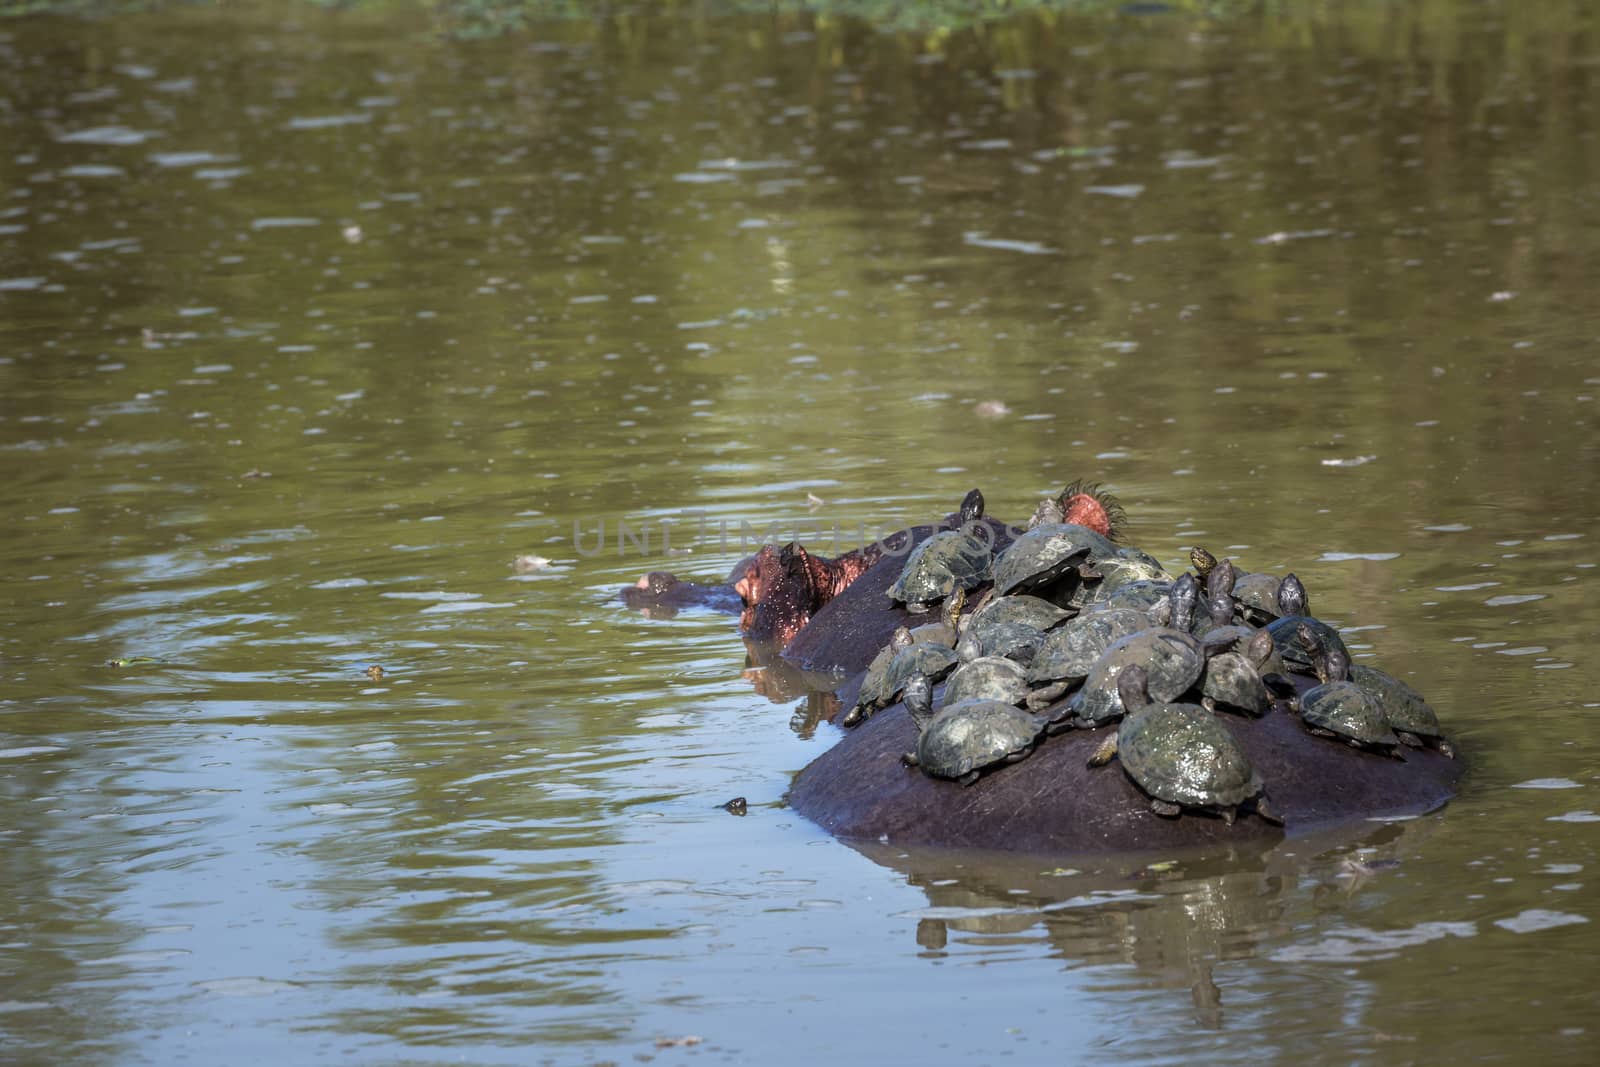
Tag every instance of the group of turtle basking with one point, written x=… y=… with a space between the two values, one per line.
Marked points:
x=1075 y=631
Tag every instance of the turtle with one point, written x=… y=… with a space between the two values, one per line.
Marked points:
x=922 y=657
x=1261 y=598
x=1142 y=595
x=967 y=738
x=1181 y=756
x=871 y=693
x=1128 y=565
x=1014 y=640
x=1171 y=661
x=1237 y=638
x=1138 y=557
x=1202 y=560
x=948 y=629
x=988 y=678
x=1069 y=653
x=1233 y=679
x=955 y=559
x=1339 y=708
x=1049 y=555
x=1028 y=610
x=1342 y=709
x=1296 y=656
x=1413 y=721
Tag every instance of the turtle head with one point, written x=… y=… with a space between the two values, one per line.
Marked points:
x=953 y=604
x=1087 y=504
x=1047 y=513
x=1330 y=663
x=1133 y=687
x=1291 y=596
x=971 y=506
x=1203 y=561
x=901 y=638
x=1220 y=579
x=918 y=699
x=1185 y=594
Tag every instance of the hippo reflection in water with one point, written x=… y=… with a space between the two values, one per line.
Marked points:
x=826 y=619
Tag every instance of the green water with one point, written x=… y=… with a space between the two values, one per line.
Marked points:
x=311 y=323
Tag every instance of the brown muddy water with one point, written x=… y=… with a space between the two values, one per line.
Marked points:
x=312 y=323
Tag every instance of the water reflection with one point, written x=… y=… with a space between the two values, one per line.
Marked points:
x=1173 y=919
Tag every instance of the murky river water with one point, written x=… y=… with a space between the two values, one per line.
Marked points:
x=310 y=327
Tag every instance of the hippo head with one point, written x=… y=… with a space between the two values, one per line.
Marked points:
x=780 y=591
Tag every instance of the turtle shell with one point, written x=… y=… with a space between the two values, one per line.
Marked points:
x=935 y=633
x=1345 y=709
x=1183 y=754
x=1231 y=680
x=1071 y=651
x=1232 y=638
x=1013 y=640
x=988 y=678
x=1027 y=610
x=1171 y=657
x=1141 y=595
x=1145 y=561
x=1045 y=554
x=924 y=657
x=1119 y=570
x=974 y=734
x=1257 y=597
x=1402 y=704
x=945 y=562
x=872 y=695
x=1296 y=656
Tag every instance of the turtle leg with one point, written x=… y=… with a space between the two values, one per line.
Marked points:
x=1265 y=809
x=1209 y=703
x=1166 y=809
x=968 y=778
x=1106 y=752
x=1228 y=814
x=1408 y=739
x=855 y=716
x=909 y=759
x=1047 y=695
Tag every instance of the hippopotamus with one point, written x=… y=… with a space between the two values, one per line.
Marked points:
x=1052 y=801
